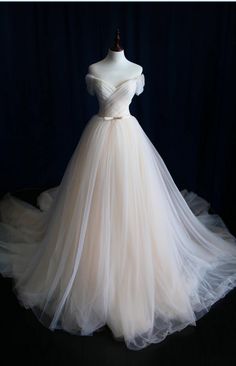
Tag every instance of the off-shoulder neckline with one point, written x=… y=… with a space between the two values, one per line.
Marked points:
x=113 y=86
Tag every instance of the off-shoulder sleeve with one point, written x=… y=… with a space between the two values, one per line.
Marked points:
x=89 y=84
x=140 y=84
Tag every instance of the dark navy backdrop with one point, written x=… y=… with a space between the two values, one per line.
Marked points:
x=188 y=109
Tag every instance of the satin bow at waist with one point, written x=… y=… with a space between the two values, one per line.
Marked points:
x=107 y=118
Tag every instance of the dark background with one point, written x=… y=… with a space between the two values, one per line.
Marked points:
x=187 y=109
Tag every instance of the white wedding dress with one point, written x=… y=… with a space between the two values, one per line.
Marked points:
x=116 y=243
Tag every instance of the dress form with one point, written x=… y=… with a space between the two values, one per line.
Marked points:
x=115 y=67
x=116 y=243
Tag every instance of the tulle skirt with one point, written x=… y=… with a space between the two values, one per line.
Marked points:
x=116 y=243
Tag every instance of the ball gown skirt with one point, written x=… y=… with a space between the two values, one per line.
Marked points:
x=116 y=243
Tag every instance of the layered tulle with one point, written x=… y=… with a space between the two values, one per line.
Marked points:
x=116 y=243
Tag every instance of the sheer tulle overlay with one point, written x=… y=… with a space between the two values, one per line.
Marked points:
x=116 y=242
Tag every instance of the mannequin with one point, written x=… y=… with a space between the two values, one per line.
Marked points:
x=115 y=68
x=116 y=243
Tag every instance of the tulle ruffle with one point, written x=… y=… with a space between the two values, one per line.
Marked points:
x=116 y=243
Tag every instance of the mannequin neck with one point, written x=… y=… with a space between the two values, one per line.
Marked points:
x=115 y=56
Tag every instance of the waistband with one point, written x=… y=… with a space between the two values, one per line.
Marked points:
x=107 y=118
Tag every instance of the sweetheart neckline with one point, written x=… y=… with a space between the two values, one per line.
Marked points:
x=113 y=86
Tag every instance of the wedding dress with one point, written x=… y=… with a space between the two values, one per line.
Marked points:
x=116 y=243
